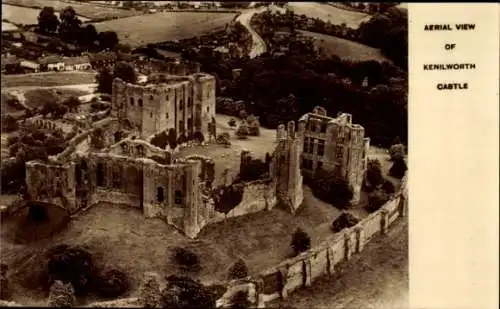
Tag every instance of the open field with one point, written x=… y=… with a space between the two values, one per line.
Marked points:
x=24 y=15
x=87 y=10
x=49 y=79
x=8 y=26
x=120 y=237
x=375 y=278
x=329 y=13
x=345 y=49
x=160 y=27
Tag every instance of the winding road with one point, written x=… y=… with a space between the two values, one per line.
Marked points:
x=258 y=45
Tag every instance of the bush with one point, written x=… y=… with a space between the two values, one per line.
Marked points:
x=330 y=188
x=70 y=264
x=253 y=125
x=112 y=284
x=345 y=220
x=187 y=259
x=160 y=140
x=238 y=270
x=185 y=293
x=9 y=123
x=376 y=200
x=223 y=139
x=242 y=132
x=198 y=136
x=300 y=241
x=397 y=152
x=62 y=295
x=253 y=170
x=232 y=122
x=373 y=175
x=398 y=168
x=388 y=187
x=149 y=294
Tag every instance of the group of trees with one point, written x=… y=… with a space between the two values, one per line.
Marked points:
x=69 y=29
x=122 y=70
x=330 y=188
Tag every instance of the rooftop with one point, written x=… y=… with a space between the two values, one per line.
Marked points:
x=50 y=60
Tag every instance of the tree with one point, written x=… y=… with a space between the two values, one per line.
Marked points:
x=88 y=35
x=397 y=152
x=330 y=188
x=172 y=139
x=71 y=264
x=187 y=259
x=184 y=293
x=104 y=81
x=376 y=200
x=71 y=103
x=253 y=125
x=150 y=295
x=125 y=71
x=345 y=220
x=47 y=20
x=373 y=174
x=300 y=241
x=112 y=283
x=388 y=187
x=223 y=139
x=62 y=295
x=232 y=122
x=69 y=27
x=107 y=39
x=238 y=270
x=242 y=131
x=160 y=140
x=398 y=168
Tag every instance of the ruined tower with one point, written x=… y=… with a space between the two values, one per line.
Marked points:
x=286 y=168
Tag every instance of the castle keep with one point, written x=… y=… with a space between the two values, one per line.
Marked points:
x=334 y=144
x=129 y=170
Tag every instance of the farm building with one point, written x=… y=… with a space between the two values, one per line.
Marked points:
x=30 y=66
x=52 y=63
x=77 y=63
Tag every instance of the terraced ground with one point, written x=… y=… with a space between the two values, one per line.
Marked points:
x=164 y=26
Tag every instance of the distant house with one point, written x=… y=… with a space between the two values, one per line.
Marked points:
x=77 y=63
x=102 y=59
x=30 y=66
x=17 y=44
x=52 y=63
x=10 y=64
x=30 y=36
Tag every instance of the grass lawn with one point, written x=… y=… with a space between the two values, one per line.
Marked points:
x=229 y=157
x=120 y=237
x=329 y=13
x=36 y=98
x=49 y=79
x=160 y=27
x=87 y=10
x=345 y=49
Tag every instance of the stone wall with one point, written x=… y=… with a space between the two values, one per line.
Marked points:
x=258 y=195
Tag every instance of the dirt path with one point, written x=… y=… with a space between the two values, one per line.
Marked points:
x=258 y=45
x=376 y=278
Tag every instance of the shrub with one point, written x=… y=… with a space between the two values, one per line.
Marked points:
x=373 y=175
x=160 y=140
x=70 y=264
x=9 y=123
x=330 y=188
x=223 y=139
x=300 y=241
x=62 y=295
x=238 y=270
x=345 y=220
x=388 y=187
x=397 y=152
x=253 y=170
x=232 y=122
x=398 y=168
x=184 y=293
x=112 y=283
x=242 y=132
x=182 y=139
x=172 y=139
x=187 y=259
x=198 y=136
x=253 y=125
x=376 y=200
x=149 y=294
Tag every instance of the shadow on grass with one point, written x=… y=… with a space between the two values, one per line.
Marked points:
x=35 y=221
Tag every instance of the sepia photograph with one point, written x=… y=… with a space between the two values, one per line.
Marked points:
x=182 y=154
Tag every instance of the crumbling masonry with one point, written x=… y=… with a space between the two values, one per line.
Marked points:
x=133 y=172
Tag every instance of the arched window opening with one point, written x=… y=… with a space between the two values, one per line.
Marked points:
x=100 y=175
x=132 y=101
x=140 y=102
